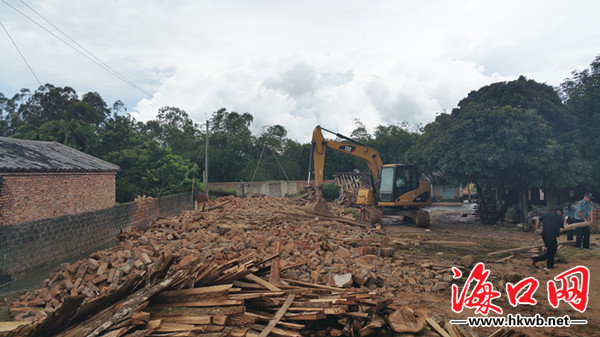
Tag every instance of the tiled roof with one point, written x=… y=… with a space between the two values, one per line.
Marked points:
x=19 y=155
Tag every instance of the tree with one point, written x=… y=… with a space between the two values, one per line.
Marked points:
x=581 y=94
x=173 y=128
x=154 y=157
x=54 y=113
x=99 y=109
x=118 y=133
x=149 y=169
x=360 y=131
x=75 y=133
x=231 y=145
x=501 y=148
x=4 y=114
x=393 y=142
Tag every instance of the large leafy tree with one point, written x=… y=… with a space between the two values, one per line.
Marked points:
x=393 y=142
x=150 y=169
x=55 y=113
x=230 y=145
x=581 y=94
x=173 y=128
x=148 y=164
x=529 y=94
x=501 y=137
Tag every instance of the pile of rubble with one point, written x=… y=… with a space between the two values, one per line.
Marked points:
x=239 y=267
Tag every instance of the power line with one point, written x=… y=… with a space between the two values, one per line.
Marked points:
x=106 y=66
x=186 y=175
x=92 y=58
x=281 y=167
x=134 y=186
x=22 y=56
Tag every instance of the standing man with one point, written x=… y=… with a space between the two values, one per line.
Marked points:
x=552 y=222
x=584 y=213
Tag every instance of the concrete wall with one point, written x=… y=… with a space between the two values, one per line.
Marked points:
x=272 y=188
x=28 y=246
x=29 y=196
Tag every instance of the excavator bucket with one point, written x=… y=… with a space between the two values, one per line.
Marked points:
x=317 y=203
x=319 y=207
x=371 y=215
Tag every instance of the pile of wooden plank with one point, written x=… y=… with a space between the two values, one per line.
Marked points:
x=216 y=299
x=239 y=267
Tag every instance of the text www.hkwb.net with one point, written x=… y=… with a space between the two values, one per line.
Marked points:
x=520 y=321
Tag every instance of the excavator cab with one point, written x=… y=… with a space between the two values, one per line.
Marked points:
x=396 y=180
x=399 y=185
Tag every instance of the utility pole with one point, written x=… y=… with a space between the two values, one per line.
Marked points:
x=206 y=161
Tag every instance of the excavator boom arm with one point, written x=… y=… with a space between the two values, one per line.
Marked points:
x=352 y=148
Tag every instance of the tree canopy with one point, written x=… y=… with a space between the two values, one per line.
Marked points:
x=163 y=155
x=581 y=95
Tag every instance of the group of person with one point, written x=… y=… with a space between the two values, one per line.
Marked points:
x=581 y=211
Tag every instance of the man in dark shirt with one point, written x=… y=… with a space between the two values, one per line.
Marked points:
x=552 y=222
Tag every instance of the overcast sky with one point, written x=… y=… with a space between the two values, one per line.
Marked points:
x=298 y=63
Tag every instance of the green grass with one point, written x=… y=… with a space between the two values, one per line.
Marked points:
x=355 y=213
x=568 y=254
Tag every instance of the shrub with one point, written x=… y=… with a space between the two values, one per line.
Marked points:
x=221 y=192
x=331 y=191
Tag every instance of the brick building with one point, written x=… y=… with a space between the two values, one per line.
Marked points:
x=47 y=179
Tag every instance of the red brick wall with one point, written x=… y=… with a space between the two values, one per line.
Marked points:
x=31 y=196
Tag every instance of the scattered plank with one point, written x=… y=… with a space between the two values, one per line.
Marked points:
x=278 y=315
x=523 y=249
x=504 y=259
x=274 y=275
x=312 y=285
x=10 y=326
x=433 y=324
x=450 y=243
x=262 y=282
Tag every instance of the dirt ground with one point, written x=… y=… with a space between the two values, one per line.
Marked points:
x=457 y=223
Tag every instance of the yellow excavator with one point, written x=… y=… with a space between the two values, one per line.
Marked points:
x=396 y=188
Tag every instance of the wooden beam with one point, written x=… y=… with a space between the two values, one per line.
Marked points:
x=196 y=291
x=437 y=327
x=10 y=326
x=278 y=315
x=312 y=285
x=197 y=311
x=450 y=243
x=523 y=249
x=249 y=296
x=504 y=259
x=320 y=216
x=199 y=320
x=217 y=302
x=515 y=250
x=287 y=325
x=99 y=323
x=262 y=282
x=274 y=275
x=575 y=225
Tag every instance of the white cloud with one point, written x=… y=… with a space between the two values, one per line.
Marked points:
x=300 y=64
